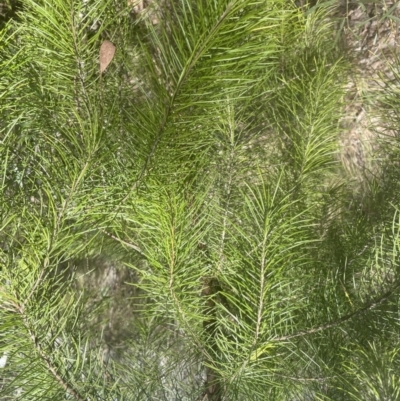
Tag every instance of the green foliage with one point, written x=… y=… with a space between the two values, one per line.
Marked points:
x=204 y=160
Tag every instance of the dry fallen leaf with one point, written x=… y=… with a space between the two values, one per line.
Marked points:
x=107 y=51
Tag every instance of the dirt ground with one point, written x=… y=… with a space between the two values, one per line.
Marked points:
x=371 y=34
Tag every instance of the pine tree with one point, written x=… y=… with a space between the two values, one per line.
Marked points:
x=203 y=158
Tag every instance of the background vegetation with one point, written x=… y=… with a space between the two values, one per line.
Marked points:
x=187 y=225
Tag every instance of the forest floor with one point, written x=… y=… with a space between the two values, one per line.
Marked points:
x=371 y=34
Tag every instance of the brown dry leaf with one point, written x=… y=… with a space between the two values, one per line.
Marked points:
x=107 y=51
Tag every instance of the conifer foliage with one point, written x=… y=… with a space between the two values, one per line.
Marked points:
x=203 y=159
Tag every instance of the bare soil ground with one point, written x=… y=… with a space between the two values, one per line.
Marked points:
x=372 y=35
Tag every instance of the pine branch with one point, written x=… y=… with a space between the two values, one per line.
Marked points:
x=50 y=366
x=343 y=319
x=198 y=51
x=163 y=122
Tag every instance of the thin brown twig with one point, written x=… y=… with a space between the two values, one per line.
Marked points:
x=128 y=244
x=342 y=320
x=305 y=379
x=53 y=370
